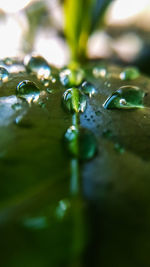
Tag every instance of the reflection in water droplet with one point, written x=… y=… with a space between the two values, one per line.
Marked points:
x=62 y=208
x=129 y=73
x=38 y=65
x=88 y=88
x=119 y=148
x=126 y=97
x=70 y=77
x=35 y=223
x=100 y=72
x=4 y=74
x=74 y=100
x=80 y=143
x=28 y=90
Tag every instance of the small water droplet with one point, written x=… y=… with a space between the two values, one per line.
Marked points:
x=50 y=91
x=4 y=74
x=8 y=61
x=74 y=100
x=80 y=143
x=129 y=73
x=70 y=77
x=53 y=79
x=100 y=72
x=38 y=65
x=119 y=148
x=28 y=91
x=62 y=208
x=22 y=121
x=45 y=82
x=126 y=97
x=17 y=106
x=88 y=88
x=42 y=104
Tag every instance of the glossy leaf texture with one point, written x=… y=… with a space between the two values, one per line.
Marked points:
x=87 y=205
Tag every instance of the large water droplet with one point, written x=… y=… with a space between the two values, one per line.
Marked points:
x=28 y=91
x=126 y=97
x=4 y=74
x=129 y=73
x=38 y=65
x=70 y=77
x=80 y=143
x=88 y=88
x=74 y=100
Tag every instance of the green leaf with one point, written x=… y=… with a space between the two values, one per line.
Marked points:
x=62 y=210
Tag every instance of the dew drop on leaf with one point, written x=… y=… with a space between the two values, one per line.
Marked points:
x=4 y=74
x=62 y=208
x=129 y=73
x=74 y=100
x=88 y=88
x=120 y=149
x=39 y=66
x=70 y=77
x=81 y=143
x=28 y=91
x=126 y=97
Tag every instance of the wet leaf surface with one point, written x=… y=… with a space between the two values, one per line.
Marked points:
x=56 y=210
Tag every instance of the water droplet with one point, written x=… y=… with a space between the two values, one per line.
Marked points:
x=42 y=104
x=8 y=61
x=28 y=91
x=129 y=73
x=50 y=91
x=88 y=88
x=17 y=106
x=4 y=74
x=62 y=208
x=74 y=100
x=100 y=72
x=70 y=77
x=53 y=79
x=80 y=143
x=45 y=82
x=119 y=148
x=23 y=121
x=126 y=97
x=38 y=65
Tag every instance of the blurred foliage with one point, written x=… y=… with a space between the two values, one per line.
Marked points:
x=37 y=16
x=81 y=18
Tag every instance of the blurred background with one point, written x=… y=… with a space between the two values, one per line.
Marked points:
x=38 y=26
